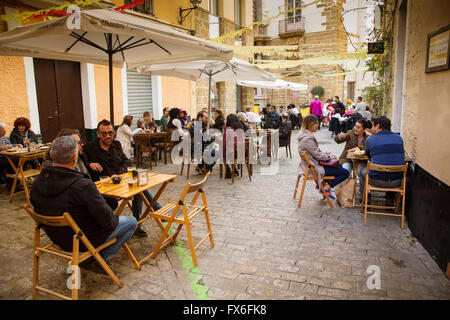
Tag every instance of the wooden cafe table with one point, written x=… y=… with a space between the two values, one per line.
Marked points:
x=124 y=192
x=19 y=175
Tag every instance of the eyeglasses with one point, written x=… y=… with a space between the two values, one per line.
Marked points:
x=105 y=133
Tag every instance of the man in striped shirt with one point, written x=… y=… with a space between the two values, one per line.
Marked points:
x=384 y=147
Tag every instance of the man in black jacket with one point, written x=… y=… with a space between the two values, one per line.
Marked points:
x=338 y=106
x=105 y=157
x=60 y=189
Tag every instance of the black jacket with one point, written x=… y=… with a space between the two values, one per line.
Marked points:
x=113 y=161
x=219 y=123
x=57 y=190
x=16 y=138
x=284 y=133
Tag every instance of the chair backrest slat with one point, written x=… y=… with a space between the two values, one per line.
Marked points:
x=59 y=221
x=198 y=186
x=382 y=168
x=304 y=156
x=34 y=156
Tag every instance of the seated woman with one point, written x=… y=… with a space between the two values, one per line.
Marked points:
x=149 y=122
x=307 y=143
x=5 y=144
x=184 y=118
x=21 y=134
x=353 y=138
x=174 y=113
x=219 y=120
x=243 y=119
x=125 y=135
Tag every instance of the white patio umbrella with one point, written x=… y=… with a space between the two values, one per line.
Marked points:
x=297 y=86
x=277 y=84
x=233 y=70
x=106 y=36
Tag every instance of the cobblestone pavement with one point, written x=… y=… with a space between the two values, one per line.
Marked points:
x=265 y=248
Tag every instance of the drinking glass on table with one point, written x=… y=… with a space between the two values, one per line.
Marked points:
x=104 y=180
x=132 y=183
x=130 y=171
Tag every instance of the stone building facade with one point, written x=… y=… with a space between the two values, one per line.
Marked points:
x=316 y=30
x=18 y=87
x=419 y=111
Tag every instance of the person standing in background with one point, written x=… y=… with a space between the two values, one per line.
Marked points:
x=338 y=106
x=315 y=108
x=164 y=119
x=361 y=107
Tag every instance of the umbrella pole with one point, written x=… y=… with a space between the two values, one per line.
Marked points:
x=209 y=98
x=111 y=86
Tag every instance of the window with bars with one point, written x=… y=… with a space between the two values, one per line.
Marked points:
x=146 y=7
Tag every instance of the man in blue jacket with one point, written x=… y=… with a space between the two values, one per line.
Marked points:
x=384 y=147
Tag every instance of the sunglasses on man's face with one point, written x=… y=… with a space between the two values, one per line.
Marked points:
x=105 y=133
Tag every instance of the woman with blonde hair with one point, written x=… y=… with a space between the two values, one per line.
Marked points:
x=125 y=135
x=349 y=106
x=307 y=143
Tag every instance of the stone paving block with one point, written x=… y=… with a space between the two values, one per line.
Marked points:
x=325 y=293
x=260 y=290
x=248 y=269
x=303 y=288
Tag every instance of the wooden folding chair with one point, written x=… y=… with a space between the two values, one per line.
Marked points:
x=241 y=159
x=74 y=257
x=24 y=175
x=401 y=192
x=307 y=177
x=142 y=142
x=164 y=145
x=171 y=214
x=191 y=160
x=265 y=148
x=288 y=147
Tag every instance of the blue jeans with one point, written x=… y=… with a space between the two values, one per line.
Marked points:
x=124 y=230
x=137 y=203
x=340 y=174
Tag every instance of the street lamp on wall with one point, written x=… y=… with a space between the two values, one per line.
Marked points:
x=195 y=4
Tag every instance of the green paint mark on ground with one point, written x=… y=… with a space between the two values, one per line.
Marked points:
x=195 y=276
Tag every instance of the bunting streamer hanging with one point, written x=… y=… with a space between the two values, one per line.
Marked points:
x=257 y=23
x=326 y=74
x=331 y=59
x=131 y=5
x=54 y=11
x=281 y=51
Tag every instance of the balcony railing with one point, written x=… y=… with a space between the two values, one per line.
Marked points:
x=294 y=24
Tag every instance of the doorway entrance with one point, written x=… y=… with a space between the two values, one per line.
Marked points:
x=58 y=90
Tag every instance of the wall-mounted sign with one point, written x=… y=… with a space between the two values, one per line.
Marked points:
x=438 y=50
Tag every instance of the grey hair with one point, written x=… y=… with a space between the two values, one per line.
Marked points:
x=241 y=115
x=285 y=115
x=63 y=149
x=3 y=125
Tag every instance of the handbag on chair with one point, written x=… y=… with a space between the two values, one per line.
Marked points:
x=334 y=163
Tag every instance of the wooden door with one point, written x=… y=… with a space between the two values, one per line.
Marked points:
x=58 y=89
